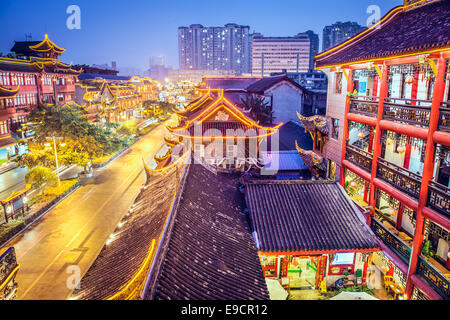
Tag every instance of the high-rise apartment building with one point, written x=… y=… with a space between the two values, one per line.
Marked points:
x=280 y=54
x=214 y=48
x=338 y=33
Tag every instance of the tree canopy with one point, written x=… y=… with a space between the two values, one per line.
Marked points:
x=79 y=141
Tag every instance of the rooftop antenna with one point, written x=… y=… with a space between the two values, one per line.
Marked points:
x=28 y=37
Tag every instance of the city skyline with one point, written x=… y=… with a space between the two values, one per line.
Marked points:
x=146 y=32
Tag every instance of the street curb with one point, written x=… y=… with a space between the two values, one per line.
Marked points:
x=28 y=225
x=8 y=168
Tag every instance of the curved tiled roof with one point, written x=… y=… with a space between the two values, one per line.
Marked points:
x=292 y=216
x=8 y=93
x=403 y=32
x=209 y=254
x=119 y=261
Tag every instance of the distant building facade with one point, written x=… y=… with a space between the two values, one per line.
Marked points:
x=214 y=48
x=275 y=54
x=197 y=75
x=338 y=33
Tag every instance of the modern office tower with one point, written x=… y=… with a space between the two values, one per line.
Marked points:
x=214 y=48
x=157 y=61
x=314 y=47
x=338 y=33
x=278 y=54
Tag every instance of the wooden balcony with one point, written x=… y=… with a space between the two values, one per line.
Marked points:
x=444 y=117
x=367 y=106
x=359 y=157
x=409 y=111
x=439 y=198
x=391 y=240
x=399 y=177
x=439 y=281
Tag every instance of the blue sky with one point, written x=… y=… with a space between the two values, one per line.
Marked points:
x=129 y=32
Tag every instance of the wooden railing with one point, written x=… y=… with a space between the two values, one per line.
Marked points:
x=359 y=157
x=439 y=198
x=444 y=117
x=367 y=106
x=391 y=240
x=438 y=281
x=400 y=178
x=410 y=111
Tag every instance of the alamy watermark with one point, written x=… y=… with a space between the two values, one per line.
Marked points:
x=73 y=22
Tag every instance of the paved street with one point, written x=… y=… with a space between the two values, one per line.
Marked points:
x=74 y=232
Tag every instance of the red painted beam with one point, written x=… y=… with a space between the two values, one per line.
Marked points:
x=423 y=286
x=400 y=196
x=441 y=137
x=362 y=119
x=355 y=169
x=405 y=129
x=313 y=252
x=436 y=217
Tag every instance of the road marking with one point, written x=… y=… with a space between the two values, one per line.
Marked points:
x=85 y=196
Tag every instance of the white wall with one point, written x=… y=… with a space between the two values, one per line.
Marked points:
x=287 y=101
x=336 y=110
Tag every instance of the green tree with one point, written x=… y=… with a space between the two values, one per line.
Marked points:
x=83 y=141
x=42 y=178
x=258 y=109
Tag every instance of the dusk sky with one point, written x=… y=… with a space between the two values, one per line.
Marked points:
x=129 y=32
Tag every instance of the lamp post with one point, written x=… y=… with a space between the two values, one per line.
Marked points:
x=54 y=148
x=56 y=153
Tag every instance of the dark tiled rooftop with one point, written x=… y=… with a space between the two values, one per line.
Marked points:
x=119 y=261
x=210 y=254
x=289 y=133
x=266 y=83
x=305 y=216
x=231 y=83
x=426 y=27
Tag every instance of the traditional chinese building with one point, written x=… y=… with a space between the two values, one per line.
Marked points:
x=388 y=96
x=38 y=76
x=220 y=132
x=114 y=101
x=307 y=232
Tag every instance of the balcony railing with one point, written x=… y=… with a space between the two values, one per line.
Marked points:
x=400 y=178
x=359 y=157
x=439 y=198
x=367 y=106
x=415 y=112
x=391 y=240
x=438 y=281
x=444 y=117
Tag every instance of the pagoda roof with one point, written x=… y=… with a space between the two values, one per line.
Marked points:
x=46 y=45
x=7 y=93
x=36 y=64
x=289 y=216
x=405 y=30
x=228 y=117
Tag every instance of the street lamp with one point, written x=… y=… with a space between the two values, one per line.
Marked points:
x=54 y=147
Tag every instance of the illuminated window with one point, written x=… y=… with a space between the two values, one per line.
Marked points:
x=3 y=127
x=345 y=258
x=335 y=128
